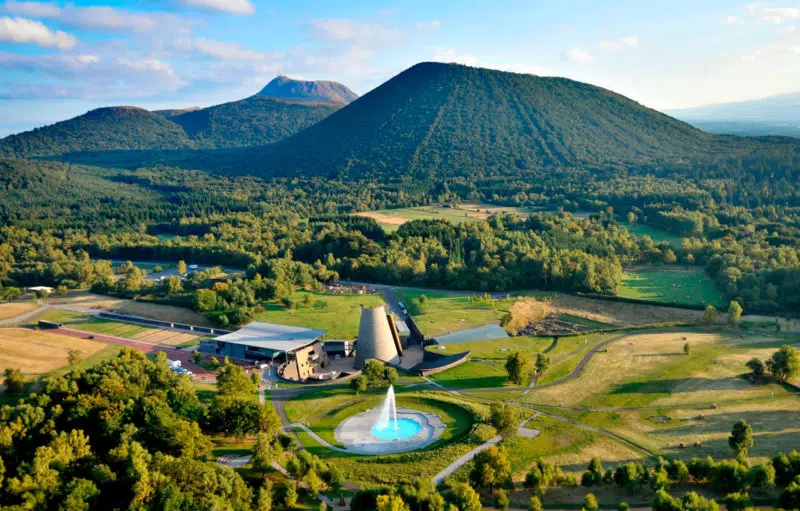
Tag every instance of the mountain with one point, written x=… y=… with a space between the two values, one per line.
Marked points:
x=284 y=87
x=102 y=129
x=253 y=121
x=448 y=119
x=281 y=109
x=775 y=115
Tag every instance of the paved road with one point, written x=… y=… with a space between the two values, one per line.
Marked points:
x=23 y=316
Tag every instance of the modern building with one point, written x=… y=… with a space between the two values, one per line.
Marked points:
x=298 y=350
x=377 y=338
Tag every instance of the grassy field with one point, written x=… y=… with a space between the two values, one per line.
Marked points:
x=684 y=286
x=475 y=375
x=442 y=313
x=39 y=352
x=337 y=314
x=657 y=235
x=650 y=369
x=147 y=310
x=12 y=309
x=391 y=219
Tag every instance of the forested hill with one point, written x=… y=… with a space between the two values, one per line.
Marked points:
x=257 y=120
x=282 y=109
x=103 y=129
x=444 y=119
x=284 y=87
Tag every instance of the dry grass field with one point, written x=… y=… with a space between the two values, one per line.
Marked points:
x=650 y=369
x=620 y=313
x=37 y=352
x=147 y=310
x=12 y=309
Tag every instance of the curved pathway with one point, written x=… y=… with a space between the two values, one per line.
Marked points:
x=464 y=459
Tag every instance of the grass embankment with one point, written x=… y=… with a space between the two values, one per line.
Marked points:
x=337 y=314
x=441 y=313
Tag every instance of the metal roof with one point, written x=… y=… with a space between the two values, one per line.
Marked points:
x=273 y=336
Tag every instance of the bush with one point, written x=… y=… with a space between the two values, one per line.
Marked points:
x=14 y=382
x=737 y=501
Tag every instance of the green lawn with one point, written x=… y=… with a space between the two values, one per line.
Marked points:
x=496 y=349
x=474 y=375
x=657 y=235
x=689 y=286
x=442 y=313
x=337 y=314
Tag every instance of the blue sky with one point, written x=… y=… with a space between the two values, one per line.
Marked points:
x=58 y=59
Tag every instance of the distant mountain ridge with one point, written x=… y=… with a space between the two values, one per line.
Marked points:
x=258 y=120
x=284 y=87
x=774 y=115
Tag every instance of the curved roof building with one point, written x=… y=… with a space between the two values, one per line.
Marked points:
x=377 y=338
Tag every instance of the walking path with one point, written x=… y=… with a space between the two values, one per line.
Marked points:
x=463 y=460
x=316 y=437
x=23 y=316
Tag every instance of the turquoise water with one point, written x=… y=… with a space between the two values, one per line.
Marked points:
x=406 y=428
x=483 y=333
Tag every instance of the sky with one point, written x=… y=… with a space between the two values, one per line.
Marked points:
x=58 y=60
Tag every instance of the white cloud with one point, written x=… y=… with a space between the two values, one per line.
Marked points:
x=450 y=55
x=225 y=50
x=32 y=9
x=429 y=25
x=580 y=55
x=348 y=30
x=229 y=6
x=621 y=43
x=25 y=31
x=778 y=14
x=101 y=18
x=733 y=20
x=787 y=30
x=90 y=76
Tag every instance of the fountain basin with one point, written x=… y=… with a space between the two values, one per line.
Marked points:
x=361 y=433
x=404 y=429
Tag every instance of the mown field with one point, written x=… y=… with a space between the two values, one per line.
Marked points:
x=337 y=314
x=690 y=286
x=12 y=309
x=657 y=235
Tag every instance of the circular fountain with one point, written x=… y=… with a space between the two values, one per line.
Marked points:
x=389 y=429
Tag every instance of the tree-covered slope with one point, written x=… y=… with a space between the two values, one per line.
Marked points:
x=256 y=120
x=444 y=119
x=103 y=129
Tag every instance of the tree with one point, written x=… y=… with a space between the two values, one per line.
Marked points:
x=373 y=370
x=590 y=503
x=181 y=267
x=756 y=367
x=232 y=380
x=741 y=439
x=663 y=501
x=710 y=314
x=734 y=312
x=517 y=367
x=196 y=357
x=790 y=498
x=687 y=349
x=174 y=284
x=594 y=473
x=390 y=374
x=359 y=383
x=73 y=357
x=214 y=361
x=313 y=482
x=390 y=503
x=14 y=382
x=504 y=418
x=694 y=502
x=205 y=300
x=264 y=453
x=62 y=290
x=542 y=363
x=264 y=499
x=464 y=497
x=535 y=504
x=762 y=476
x=738 y=501
x=290 y=500
x=490 y=467
x=784 y=363
x=623 y=506
x=502 y=501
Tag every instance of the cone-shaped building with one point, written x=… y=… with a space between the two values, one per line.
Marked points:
x=376 y=338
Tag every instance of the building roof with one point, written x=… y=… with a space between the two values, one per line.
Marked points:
x=41 y=288
x=273 y=336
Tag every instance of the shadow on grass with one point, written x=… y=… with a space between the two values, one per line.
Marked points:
x=678 y=385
